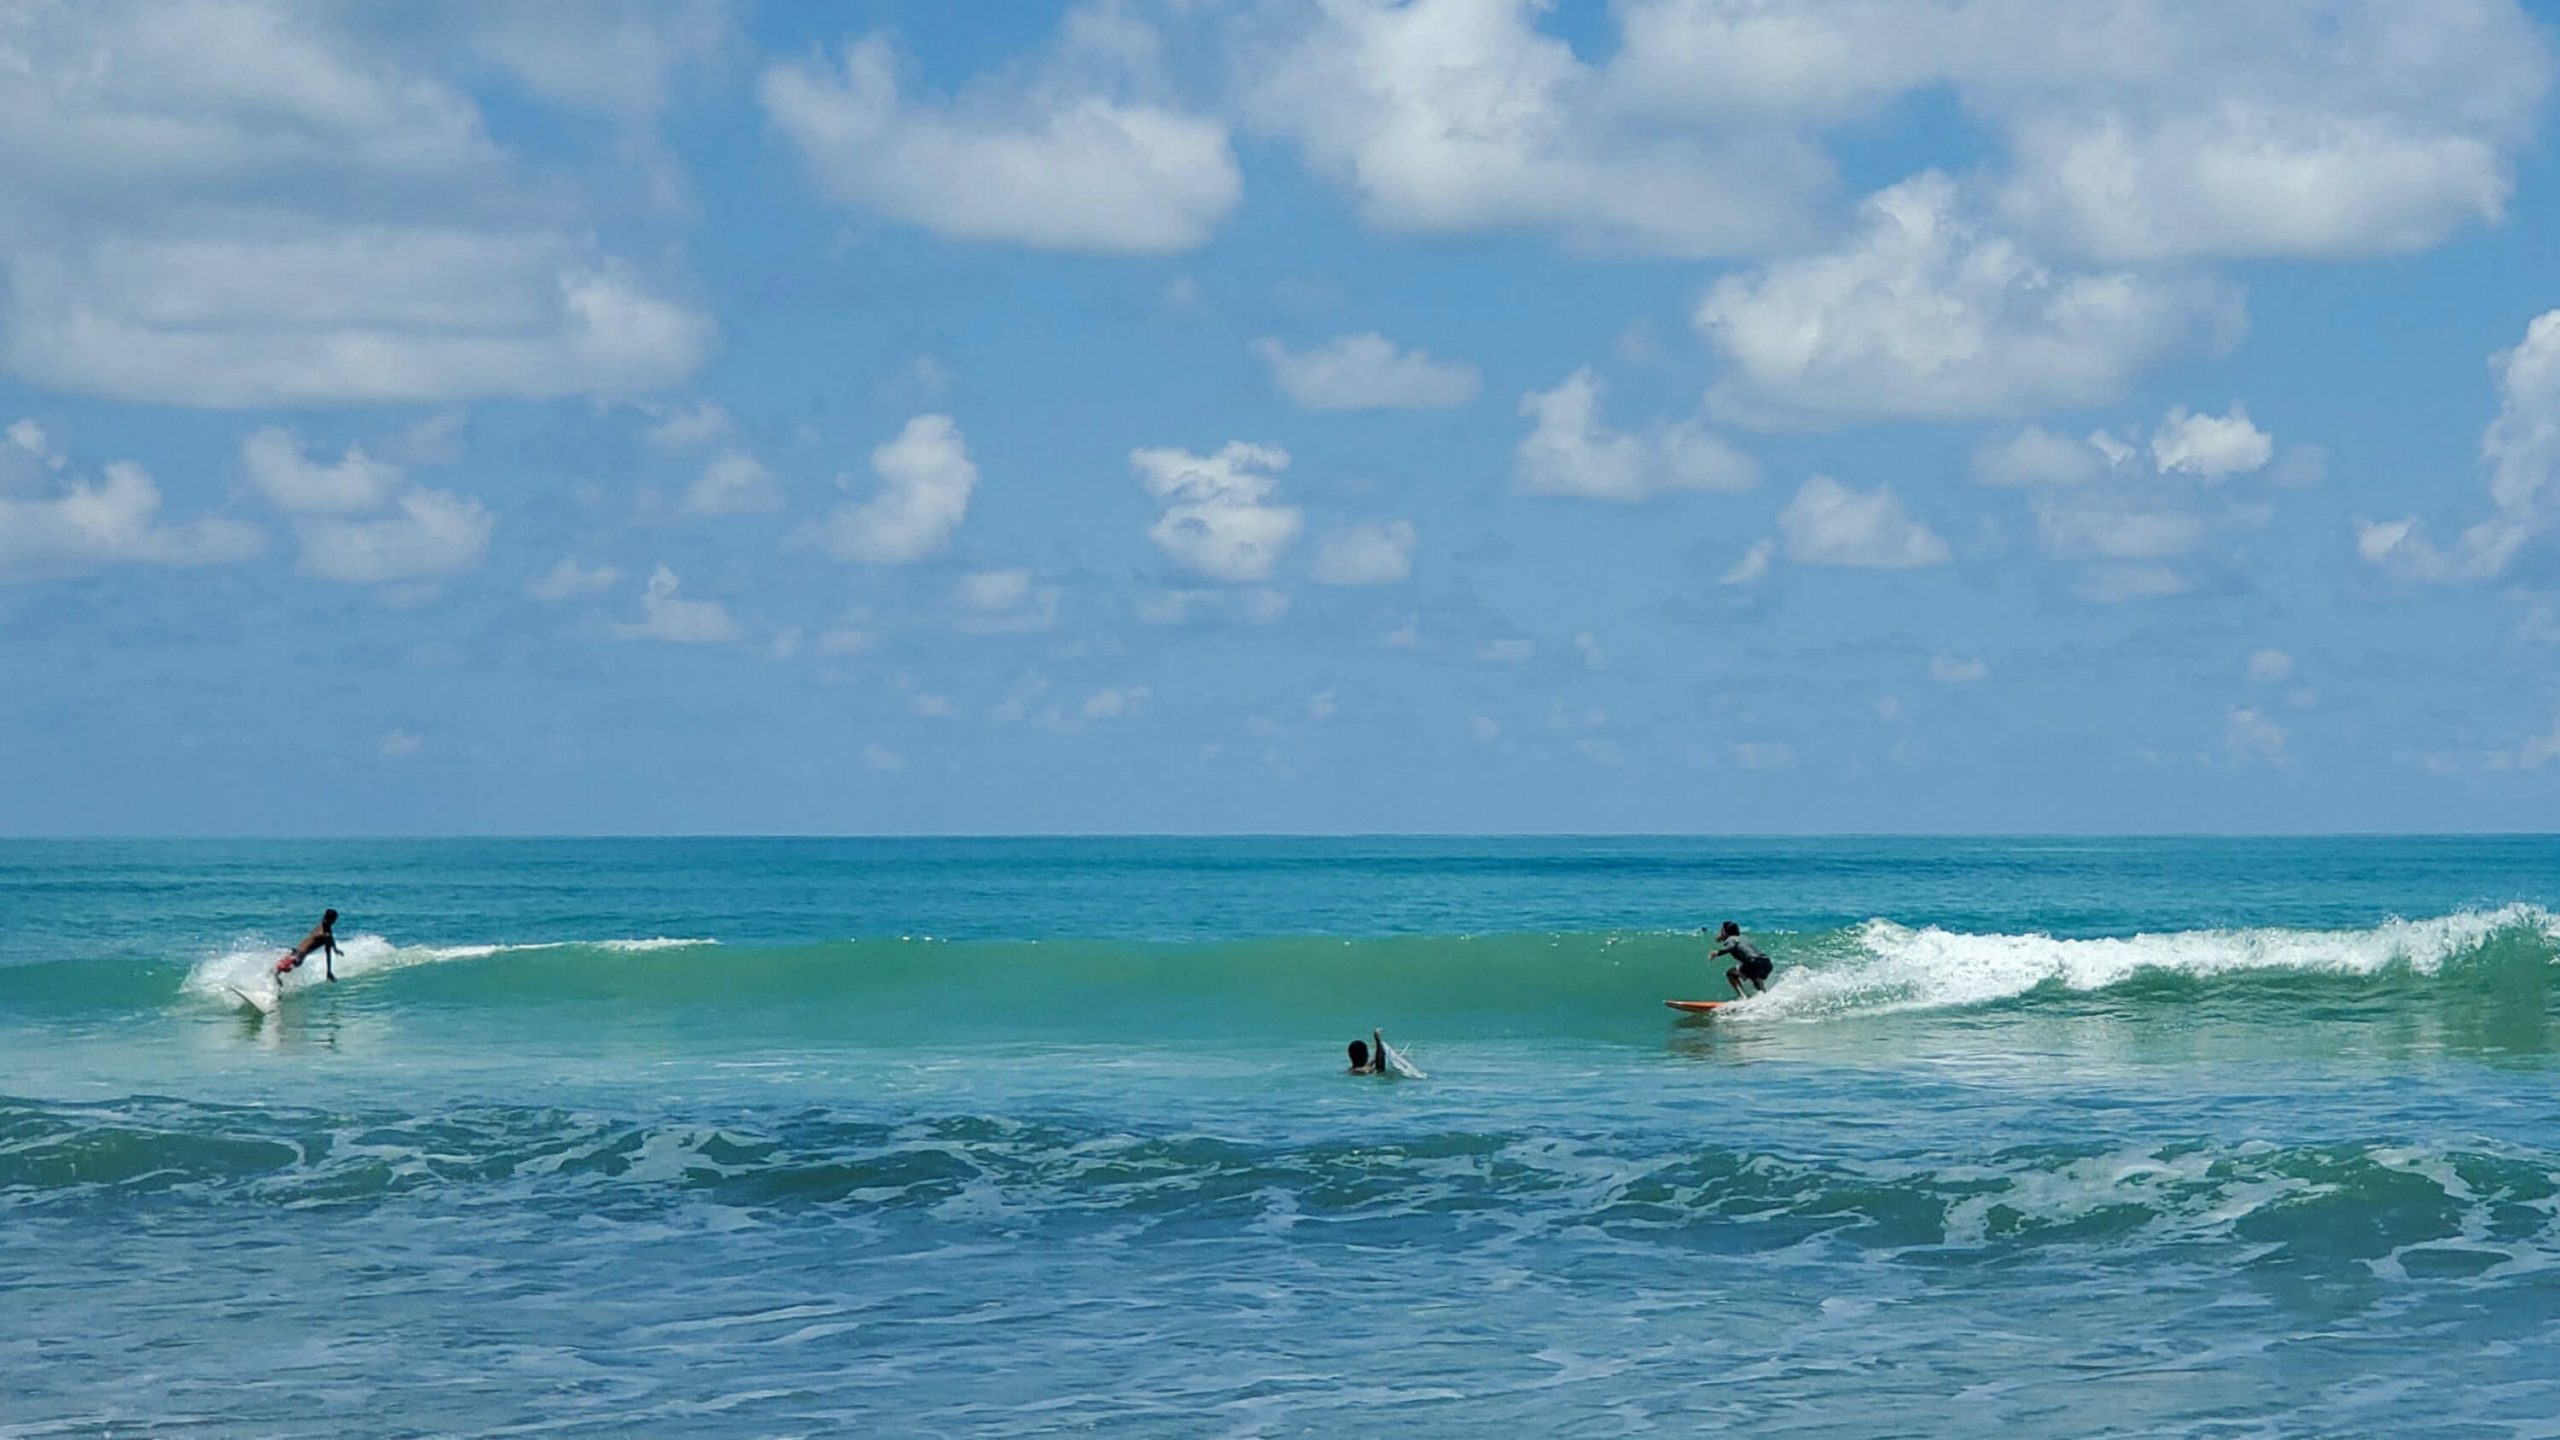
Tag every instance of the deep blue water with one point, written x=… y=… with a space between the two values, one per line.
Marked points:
x=2049 y=1137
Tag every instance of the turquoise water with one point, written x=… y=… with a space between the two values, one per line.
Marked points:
x=2149 y=1137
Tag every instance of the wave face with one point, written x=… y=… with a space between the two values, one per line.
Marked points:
x=1597 y=985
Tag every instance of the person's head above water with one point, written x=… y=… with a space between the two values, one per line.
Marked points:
x=1729 y=931
x=328 y=917
x=1359 y=1054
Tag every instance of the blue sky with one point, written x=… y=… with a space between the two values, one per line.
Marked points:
x=1278 y=415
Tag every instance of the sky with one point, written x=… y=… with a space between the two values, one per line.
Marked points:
x=1245 y=416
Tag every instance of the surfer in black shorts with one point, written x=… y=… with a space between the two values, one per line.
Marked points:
x=323 y=938
x=1749 y=964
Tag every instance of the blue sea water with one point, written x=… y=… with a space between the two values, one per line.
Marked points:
x=2030 y=1137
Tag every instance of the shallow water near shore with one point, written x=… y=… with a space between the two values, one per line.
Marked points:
x=763 y=1137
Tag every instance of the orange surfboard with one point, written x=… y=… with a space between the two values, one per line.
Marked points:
x=1697 y=1007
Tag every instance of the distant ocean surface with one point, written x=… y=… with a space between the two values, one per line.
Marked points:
x=772 y=1137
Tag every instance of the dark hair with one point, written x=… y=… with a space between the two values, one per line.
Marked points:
x=1730 y=929
x=328 y=917
x=1359 y=1053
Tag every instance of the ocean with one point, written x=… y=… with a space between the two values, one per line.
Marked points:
x=2035 y=1137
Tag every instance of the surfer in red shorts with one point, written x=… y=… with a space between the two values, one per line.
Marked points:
x=323 y=938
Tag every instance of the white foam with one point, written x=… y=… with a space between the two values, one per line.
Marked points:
x=247 y=963
x=1895 y=967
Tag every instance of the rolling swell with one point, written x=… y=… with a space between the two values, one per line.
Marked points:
x=1492 y=986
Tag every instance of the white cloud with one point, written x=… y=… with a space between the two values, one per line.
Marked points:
x=432 y=535
x=667 y=616
x=1927 y=314
x=1753 y=567
x=2251 y=178
x=2522 y=450
x=926 y=478
x=2270 y=667
x=1952 y=670
x=734 y=484
x=80 y=525
x=1253 y=606
x=1587 y=645
x=2036 y=456
x=240 y=205
x=1516 y=650
x=2146 y=130
x=1217 y=521
x=883 y=759
x=2542 y=749
x=1829 y=523
x=1762 y=754
x=1571 y=450
x=2211 y=446
x=2118 y=528
x=399 y=745
x=1050 y=164
x=1111 y=704
x=274 y=464
x=1006 y=602
x=1458 y=115
x=353 y=317
x=1380 y=554
x=2250 y=735
x=571 y=580
x=1485 y=728
x=1322 y=704
x=686 y=425
x=1367 y=372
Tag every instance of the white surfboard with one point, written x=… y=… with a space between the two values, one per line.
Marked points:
x=263 y=999
x=1400 y=1065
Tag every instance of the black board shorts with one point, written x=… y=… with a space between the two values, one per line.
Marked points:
x=1756 y=967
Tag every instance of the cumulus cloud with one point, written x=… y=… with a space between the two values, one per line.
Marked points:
x=1114 y=704
x=1459 y=115
x=2522 y=451
x=1006 y=602
x=1051 y=163
x=431 y=535
x=73 y=525
x=2145 y=131
x=2036 y=456
x=1380 y=554
x=1254 y=606
x=665 y=615
x=355 y=521
x=1218 y=519
x=1367 y=372
x=1753 y=567
x=328 y=220
x=2250 y=735
x=348 y=317
x=734 y=484
x=926 y=478
x=572 y=580
x=2211 y=446
x=2270 y=667
x=1572 y=451
x=1828 y=523
x=398 y=745
x=1926 y=313
x=1954 y=670
x=273 y=463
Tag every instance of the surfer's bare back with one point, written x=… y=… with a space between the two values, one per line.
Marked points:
x=323 y=938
